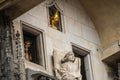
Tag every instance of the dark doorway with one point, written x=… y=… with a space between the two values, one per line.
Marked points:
x=81 y=54
x=82 y=66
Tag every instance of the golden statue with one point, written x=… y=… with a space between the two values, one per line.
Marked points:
x=28 y=56
x=54 y=20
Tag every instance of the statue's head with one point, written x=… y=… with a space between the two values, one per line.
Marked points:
x=28 y=44
x=69 y=57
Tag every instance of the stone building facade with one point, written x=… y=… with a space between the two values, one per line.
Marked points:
x=78 y=35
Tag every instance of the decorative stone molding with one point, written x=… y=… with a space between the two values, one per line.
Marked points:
x=19 y=58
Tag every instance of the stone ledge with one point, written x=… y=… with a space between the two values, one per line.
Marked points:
x=31 y=75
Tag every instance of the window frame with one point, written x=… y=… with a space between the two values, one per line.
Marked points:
x=37 y=31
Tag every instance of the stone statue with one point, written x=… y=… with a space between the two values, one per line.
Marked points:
x=28 y=56
x=68 y=68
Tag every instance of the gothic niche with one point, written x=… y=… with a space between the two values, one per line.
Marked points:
x=67 y=66
x=55 y=18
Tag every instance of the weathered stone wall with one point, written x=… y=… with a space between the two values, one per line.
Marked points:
x=79 y=30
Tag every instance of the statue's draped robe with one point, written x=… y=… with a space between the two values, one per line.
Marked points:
x=71 y=70
x=63 y=70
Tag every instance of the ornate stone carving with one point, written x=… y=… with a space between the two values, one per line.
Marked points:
x=67 y=67
x=20 y=58
x=11 y=65
x=7 y=61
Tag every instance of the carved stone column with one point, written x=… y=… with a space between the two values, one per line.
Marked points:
x=9 y=69
x=7 y=62
x=20 y=57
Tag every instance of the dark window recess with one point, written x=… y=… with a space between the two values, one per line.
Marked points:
x=55 y=18
x=30 y=47
x=83 y=72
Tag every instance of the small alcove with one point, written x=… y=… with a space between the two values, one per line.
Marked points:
x=33 y=40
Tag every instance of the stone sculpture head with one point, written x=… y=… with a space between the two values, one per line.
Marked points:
x=27 y=44
x=68 y=57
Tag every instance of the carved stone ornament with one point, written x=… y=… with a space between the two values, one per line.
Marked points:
x=67 y=66
x=11 y=65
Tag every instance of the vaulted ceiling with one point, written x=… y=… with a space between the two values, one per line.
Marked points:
x=106 y=16
x=104 y=13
